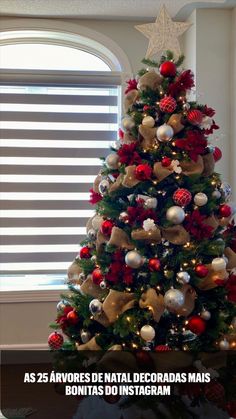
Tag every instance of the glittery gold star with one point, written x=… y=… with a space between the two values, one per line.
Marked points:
x=163 y=34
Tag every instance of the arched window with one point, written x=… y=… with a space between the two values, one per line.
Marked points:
x=59 y=113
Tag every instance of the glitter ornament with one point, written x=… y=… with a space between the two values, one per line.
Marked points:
x=103 y=285
x=194 y=116
x=103 y=186
x=168 y=69
x=200 y=199
x=164 y=133
x=97 y=276
x=162 y=348
x=216 y=194
x=154 y=265
x=183 y=277
x=197 y=325
x=112 y=161
x=123 y=216
x=133 y=259
x=85 y=253
x=106 y=227
x=173 y=299
x=147 y=333
x=148 y=121
x=62 y=305
x=55 y=341
x=175 y=214
x=95 y=306
x=182 y=197
x=167 y=104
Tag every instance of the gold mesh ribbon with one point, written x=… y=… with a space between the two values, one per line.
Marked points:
x=120 y=238
x=154 y=302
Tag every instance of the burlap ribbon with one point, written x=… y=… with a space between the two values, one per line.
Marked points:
x=128 y=138
x=175 y=121
x=96 y=182
x=151 y=236
x=130 y=99
x=162 y=172
x=213 y=222
x=100 y=241
x=129 y=179
x=210 y=281
x=224 y=221
x=231 y=256
x=148 y=134
x=89 y=288
x=73 y=273
x=91 y=345
x=154 y=302
x=117 y=303
x=189 y=301
x=150 y=80
x=176 y=235
x=117 y=184
x=209 y=164
x=191 y=167
x=120 y=238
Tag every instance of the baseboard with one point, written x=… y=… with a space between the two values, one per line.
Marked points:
x=24 y=347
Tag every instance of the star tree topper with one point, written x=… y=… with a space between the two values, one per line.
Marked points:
x=163 y=34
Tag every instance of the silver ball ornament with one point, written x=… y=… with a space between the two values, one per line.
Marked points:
x=95 y=306
x=183 y=277
x=173 y=299
x=85 y=336
x=205 y=315
x=148 y=121
x=112 y=161
x=147 y=333
x=92 y=234
x=133 y=259
x=216 y=194
x=165 y=133
x=128 y=123
x=150 y=203
x=200 y=199
x=224 y=345
x=175 y=214
x=62 y=305
x=103 y=186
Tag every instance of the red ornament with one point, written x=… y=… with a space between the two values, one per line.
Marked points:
x=55 y=340
x=162 y=348
x=107 y=227
x=97 y=276
x=225 y=210
x=168 y=69
x=182 y=197
x=154 y=265
x=217 y=154
x=72 y=317
x=146 y=107
x=143 y=172
x=201 y=271
x=168 y=104
x=85 y=252
x=166 y=161
x=197 y=325
x=215 y=393
x=195 y=116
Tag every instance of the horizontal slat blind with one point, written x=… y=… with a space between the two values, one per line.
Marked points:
x=52 y=136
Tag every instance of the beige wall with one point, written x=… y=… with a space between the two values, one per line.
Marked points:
x=210 y=47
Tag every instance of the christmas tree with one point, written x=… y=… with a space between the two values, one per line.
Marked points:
x=156 y=270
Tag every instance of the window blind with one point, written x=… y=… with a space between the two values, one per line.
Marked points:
x=52 y=135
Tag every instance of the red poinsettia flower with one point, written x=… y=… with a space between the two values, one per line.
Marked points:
x=194 y=224
x=184 y=81
x=131 y=85
x=94 y=197
x=121 y=134
x=194 y=144
x=138 y=214
x=210 y=130
x=128 y=154
x=231 y=288
x=127 y=275
x=208 y=111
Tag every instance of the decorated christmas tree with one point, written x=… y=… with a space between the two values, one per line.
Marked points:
x=156 y=270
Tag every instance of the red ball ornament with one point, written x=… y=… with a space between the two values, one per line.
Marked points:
x=146 y=107
x=197 y=325
x=168 y=104
x=97 y=276
x=143 y=172
x=107 y=227
x=168 y=69
x=55 y=340
x=225 y=210
x=85 y=252
x=195 y=116
x=217 y=154
x=182 y=197
x=162 y=348
x=72 y=317
x=154 y=265
x=201 y=271
x=166 y=161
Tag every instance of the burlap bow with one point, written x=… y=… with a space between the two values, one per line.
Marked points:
x=151 y=236
x=189 y=301
x=209 y=164
x=117 y=184
x=130 y=99
x=89 y=288
x=210 y=281
x=150 y=80
x=120 y=238
x=96 y=182
x=117 y=303
x=128 y=138
x=224 y=221
x=154 y=302
x=73 y=273
x=129 y=179
x=148 y=137
x=213 y=222
x=175 y=121
x=231 y=256
x=176 y=235
x=191 y=167
x=91 y=345
x=100 y=241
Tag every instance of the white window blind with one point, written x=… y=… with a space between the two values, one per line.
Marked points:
x=54 y=128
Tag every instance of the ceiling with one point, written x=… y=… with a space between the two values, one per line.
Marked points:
x=105 y=9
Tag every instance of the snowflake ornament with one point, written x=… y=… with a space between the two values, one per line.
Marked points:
x=149 y=224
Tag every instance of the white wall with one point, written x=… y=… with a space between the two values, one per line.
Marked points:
x=210 y=49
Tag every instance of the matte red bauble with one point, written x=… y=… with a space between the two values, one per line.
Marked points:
x=55 y=340
x=217 y=154
x=85 y=252
x=154 y=265
x=197 y=325
x=106 y=227
x=182 y=197
x=143 y=172
x=195 y=116
x=168 y=69
x=201 y=271
x=168 y=104
x=72 y=317
x=97 y=276
x=166 y=161
x=225 y=210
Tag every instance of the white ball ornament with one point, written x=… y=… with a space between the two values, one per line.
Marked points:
x=218 y=264
x=95 y=306
x=103 y=186
x=97 y=222
x=175 y=214
x=224 y=345
x=205 y=315
x=183 y=277
x=150 y=203
x=112 y=161
x=148 y=121
x=133 y=259
x=165 y=133
x=147 y=333
x=128 y=123
x=173 y=299
x=200 y=199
